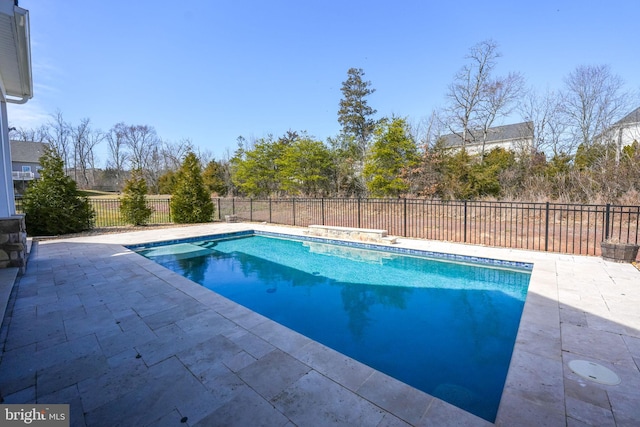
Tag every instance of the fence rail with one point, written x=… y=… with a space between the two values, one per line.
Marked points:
x=554 y=227
x=108 y=211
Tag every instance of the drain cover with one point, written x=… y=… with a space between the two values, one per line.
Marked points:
x=594 y=372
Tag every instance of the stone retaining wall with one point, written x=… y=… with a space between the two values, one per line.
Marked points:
x=13 y=243
x=349 y=233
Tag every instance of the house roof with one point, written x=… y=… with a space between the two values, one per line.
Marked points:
x=27 y=152
x=632 y=117
x=513 y=132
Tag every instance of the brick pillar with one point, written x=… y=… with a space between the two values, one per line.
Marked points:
x=13 y=242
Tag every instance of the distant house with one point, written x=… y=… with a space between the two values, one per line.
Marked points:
x=626 y=130
x=25 y=163
x=510 y=137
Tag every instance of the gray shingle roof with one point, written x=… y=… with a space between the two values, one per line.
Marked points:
x=517 y=131
x=27 y=152
x=632 y=117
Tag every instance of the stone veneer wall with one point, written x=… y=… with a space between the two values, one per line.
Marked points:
x=13 y=242
x=360 y=234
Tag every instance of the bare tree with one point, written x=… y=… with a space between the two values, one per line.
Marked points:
x=85 y=140
x=427 y=131
x=94 y=138
x=39 y=134
x=175 y=152
x=142 y=140
x=226 y=172
x=476 y=98
x=593 y=100
x=59 y=137
x=467 y=90
x=543 y=112
x=205 y=156
x=499 y=100
x=155 y=167
x=163 y=157
x=117 y=151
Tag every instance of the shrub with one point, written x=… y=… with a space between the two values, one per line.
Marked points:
x=53 y=204
x=190 y=201
x=133 y=204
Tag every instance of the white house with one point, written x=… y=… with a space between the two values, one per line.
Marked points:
x=626 y=130
x=514 y=137
x=16 y=86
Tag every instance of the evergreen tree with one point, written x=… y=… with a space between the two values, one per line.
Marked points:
x=191 y=202
x=255 y=171
x=347 y=167
x=456 y=176
x=305 y=167
x=133 y=205
x=355 y=114
x=485 y=175
x=167 y=182
x=53 y=205
x=213 y=176
x=587 y=155
x=393 y=151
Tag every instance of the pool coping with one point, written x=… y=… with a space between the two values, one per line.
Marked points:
x=540 y=390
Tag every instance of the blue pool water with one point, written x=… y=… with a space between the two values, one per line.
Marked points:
x=445 y=328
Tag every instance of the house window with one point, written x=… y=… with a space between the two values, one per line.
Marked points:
x=26 y=169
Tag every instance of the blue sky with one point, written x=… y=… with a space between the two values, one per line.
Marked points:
x=211 y=70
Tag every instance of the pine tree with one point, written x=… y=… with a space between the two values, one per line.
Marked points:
x=213 y=176
x=133 y=205
x=53 y=205
x=355 y=114
x=191 y=202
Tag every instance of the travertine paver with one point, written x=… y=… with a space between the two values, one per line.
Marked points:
x=127 y=342
x=315 y=400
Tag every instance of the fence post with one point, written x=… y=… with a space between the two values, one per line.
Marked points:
x=251 y=209
x=404 y=231
x=233 y=206
x=270 y=210
x=358 y=212
x=607 y=221
x=293 y=207
x=219 y=207
x=322 y=208
x=546 y=228
x=169 y=206
x=464 y=223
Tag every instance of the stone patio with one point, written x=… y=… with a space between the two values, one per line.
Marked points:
x=126 y=342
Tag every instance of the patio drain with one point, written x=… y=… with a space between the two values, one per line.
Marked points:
x=594 y=372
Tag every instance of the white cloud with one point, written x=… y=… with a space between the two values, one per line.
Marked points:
x=29 y=116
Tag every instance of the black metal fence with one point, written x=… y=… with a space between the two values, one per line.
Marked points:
x=554 y=227
x=108 y=211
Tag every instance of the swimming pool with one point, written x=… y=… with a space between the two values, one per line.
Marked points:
x=446 y=328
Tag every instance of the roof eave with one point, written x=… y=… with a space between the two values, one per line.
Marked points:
x=15 y=54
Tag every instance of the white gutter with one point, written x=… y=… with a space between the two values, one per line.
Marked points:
x=19 y=23
x=21 y=26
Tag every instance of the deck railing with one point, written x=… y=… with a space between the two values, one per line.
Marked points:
x=554 y=227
